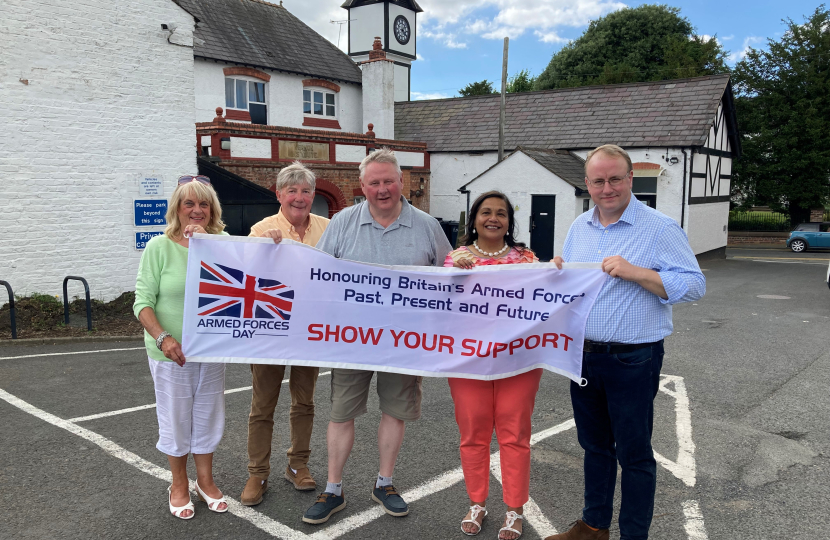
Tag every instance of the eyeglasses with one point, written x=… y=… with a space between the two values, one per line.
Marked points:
x=199 y=178
x=615 y=182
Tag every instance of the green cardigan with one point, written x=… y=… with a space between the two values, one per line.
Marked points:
x=160 y=285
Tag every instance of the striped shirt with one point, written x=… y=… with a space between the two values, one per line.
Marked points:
x=624 y=311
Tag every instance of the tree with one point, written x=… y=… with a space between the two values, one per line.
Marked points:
x=783 y=104
x=646 y=43
x=480 y=88
x=520 y=82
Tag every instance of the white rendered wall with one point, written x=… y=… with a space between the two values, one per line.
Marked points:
x=410 y=159
x=707 y=228
x=247 y=147
x=450 y=171
x=93 y=96
x=536 y=181
x=401 y=83
x=366 y=24
x=379 y=97
x=283 y=94
x=348 y=153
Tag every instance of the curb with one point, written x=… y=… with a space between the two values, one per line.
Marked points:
x=64 y=340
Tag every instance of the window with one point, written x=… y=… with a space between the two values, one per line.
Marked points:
x=319 y=103
x=239 y=93
x=586 y=205
x=645 y=189
x=247 y=96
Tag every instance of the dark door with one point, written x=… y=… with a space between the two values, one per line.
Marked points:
x=542 y=215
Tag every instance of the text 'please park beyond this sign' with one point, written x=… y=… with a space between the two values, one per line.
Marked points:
x=150 y=212
x=248 y=300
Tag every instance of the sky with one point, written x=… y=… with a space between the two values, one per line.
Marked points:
x=461 y=41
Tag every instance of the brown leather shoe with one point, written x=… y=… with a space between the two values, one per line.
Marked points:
x=580 y=531
x=302 y=480
x=254 y=489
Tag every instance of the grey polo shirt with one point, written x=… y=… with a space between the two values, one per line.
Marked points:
x=414 y=239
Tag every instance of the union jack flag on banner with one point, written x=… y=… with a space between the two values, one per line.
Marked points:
x=228 y=292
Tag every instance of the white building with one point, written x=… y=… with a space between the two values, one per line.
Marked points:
x=96 y=97
x=107 y=102
x=681 y=135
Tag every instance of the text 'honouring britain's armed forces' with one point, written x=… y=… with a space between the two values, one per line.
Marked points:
x=477 y=302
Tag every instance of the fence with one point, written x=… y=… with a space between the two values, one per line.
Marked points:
x=759 y=221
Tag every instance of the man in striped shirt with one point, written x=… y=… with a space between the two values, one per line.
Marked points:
x=650 y=266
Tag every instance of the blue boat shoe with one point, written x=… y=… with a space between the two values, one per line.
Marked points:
x=326 y=505
x=393 y=504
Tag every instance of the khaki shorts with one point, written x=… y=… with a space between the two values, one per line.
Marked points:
x=400 y=395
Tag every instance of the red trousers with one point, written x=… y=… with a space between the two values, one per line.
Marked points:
x=506 y=405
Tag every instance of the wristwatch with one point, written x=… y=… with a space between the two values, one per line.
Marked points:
x=160 y=339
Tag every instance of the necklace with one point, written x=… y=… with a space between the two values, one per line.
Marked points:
x=493 y=254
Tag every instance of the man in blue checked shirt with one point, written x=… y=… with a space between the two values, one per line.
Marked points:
x=651 y=266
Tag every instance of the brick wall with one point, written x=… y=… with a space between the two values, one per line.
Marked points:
x=93 y=96
x=757 y=240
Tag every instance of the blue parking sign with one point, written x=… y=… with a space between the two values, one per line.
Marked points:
x=150 y=212
x=141 y=238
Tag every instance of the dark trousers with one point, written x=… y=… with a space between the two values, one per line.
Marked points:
x=614 y=417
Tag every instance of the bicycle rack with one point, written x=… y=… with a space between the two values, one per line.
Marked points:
x=11 y=307
x=66 y=302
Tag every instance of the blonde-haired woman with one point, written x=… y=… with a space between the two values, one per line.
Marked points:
x=190 y=397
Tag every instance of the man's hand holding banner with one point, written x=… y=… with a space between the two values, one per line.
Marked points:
x=248 y=300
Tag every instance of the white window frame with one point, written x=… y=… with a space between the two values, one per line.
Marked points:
x=249 y=80
x=325 y=92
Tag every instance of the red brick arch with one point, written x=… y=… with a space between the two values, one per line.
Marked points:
x=643 y=166
x=250 y=72
x=333 y=195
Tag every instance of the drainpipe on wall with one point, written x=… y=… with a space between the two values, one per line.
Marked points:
x=466 y=192
x=683 y=201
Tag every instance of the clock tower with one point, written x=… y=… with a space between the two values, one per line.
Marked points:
x=394 y=22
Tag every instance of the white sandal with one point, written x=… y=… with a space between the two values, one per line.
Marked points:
x=212 y=503
x=179 y=510
x=509 y=520
x=475 y=511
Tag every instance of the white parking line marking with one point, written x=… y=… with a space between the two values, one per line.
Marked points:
x=68 y=353
x=533 y=515
x=153 y=405
x=695 y=529
x=274 y=528
x=439 y=483
x=111 y=413
x=683 y=468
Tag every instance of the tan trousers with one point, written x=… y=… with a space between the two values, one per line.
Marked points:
x=267 y=382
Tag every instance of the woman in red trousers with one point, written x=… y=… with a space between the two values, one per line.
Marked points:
x=504 y=404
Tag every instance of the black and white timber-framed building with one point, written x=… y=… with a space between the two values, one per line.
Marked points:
x=682 y=136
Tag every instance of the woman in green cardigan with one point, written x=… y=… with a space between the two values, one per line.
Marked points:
x=190 y=397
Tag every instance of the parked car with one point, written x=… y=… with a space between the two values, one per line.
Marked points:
x=809 y=235
x=828 y=275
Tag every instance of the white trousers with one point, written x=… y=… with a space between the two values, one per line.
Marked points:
x=190 y=406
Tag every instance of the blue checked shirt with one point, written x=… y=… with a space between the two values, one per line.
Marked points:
x=624 y=311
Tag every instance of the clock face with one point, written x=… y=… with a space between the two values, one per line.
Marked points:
x=402 y=30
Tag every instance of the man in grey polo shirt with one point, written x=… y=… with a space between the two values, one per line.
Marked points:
x=385 y=229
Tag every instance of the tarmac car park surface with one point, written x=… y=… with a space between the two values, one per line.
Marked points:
x=740 y=434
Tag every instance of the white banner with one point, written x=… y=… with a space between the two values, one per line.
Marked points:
x=250 y=301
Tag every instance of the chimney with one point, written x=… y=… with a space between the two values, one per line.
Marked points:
x=379 y=92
